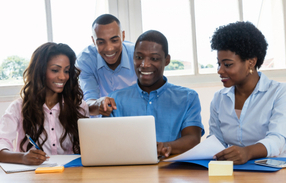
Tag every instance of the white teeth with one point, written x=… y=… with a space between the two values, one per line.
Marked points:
x=224 y=78
x=60 y=84
x=110 y=55
x=146 y=73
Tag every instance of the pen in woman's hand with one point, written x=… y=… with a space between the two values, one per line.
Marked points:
x=32 y=142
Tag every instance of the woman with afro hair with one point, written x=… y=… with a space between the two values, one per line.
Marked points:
x=248 y=116
x=48 y=110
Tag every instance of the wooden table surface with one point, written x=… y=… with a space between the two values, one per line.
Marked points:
x=163 y=172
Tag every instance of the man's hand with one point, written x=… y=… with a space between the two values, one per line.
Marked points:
x=103 y=106
x=164 y=149
x=107 y=105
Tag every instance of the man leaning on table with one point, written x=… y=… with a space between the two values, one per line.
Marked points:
x=176 y=109
x=106 y=65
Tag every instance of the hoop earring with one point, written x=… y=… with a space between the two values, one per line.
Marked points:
x=250 y=71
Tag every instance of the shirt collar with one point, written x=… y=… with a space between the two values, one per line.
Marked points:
x=124 y=60
x=263 y=83
x=56 y=107
x=261 y=86
x=159 y=90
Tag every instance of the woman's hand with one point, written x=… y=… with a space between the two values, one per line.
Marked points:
x=34 y=157
x=239 y=155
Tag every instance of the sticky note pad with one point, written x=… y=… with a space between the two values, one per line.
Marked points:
x=220 y=168
x=56 y=169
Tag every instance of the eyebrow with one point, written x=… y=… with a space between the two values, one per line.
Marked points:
x=224 y=60
x=100 y=39
x=151 y=53
x=60 y=66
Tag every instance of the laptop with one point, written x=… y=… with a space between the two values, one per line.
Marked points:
x=118 y=140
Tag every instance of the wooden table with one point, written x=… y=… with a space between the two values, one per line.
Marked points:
x=163 y=172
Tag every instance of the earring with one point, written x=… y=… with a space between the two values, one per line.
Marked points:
x=250 y=71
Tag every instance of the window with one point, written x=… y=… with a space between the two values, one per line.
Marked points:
x=72 y=20
x=209 y=16
x=187 y=24
x=175 y=24
x=23 y=29
x=268 y=17
x=190 y=24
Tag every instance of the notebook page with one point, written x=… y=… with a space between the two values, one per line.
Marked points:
x=12 y=168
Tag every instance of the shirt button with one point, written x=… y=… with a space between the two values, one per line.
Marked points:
x=54 y=144
x=157 y=95
x=150 y=102
x=51 y=113
x=52 y=128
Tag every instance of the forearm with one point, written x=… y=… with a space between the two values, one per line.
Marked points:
x=183 y=144
x=256 y=151
x=93 y=106
x=7 y=156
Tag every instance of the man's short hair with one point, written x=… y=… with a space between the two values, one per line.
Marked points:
x=104 y=20
x=154 y=36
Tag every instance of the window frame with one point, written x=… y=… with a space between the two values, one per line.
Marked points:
x=129 y=14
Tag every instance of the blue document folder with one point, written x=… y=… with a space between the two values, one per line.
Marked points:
x=74 y=163
x=249 y=166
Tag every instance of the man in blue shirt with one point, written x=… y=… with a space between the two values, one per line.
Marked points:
x=106 y=65
x=176 y=109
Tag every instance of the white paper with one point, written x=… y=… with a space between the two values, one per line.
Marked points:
x=63 y=159
x=11 y=168
x=55 y=160
x=204 y=150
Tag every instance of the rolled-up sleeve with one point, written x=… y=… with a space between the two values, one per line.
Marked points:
x=9 y=125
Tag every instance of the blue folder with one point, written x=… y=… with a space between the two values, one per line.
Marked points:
x=249 y=166
x=74 y=163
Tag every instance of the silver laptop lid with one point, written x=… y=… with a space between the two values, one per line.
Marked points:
x=118 y=140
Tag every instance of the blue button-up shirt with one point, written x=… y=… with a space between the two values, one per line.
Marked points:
x=173 y=107
x=97 y=79
x=262 y=119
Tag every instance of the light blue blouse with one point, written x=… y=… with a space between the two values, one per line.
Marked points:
x=262 y=119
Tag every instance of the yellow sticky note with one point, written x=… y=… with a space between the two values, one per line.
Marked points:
x=220 y=168
x=56 y=169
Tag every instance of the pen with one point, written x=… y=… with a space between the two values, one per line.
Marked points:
x=32 y=142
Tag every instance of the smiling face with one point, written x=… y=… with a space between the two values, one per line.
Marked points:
x=108 y=40
x=232 y=70
x=149 y=62
x=57 y=74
